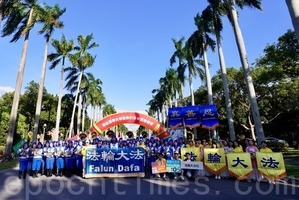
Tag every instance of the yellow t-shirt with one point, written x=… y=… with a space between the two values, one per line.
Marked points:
x=238 y=149
x=266 y=150
x=162 y=161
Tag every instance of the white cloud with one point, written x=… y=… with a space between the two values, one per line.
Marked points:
x=4 y=89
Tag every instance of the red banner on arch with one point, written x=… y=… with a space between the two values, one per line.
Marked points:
x=130 y=118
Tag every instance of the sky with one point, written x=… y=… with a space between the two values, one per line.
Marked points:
x=135 y=46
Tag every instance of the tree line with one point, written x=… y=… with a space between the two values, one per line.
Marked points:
x=244 y=107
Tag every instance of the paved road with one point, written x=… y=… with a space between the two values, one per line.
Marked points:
x=135 y=188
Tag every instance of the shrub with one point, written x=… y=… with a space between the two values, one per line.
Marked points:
x=2 y=148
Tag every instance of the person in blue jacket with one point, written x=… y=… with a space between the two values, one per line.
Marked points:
x=23 y=153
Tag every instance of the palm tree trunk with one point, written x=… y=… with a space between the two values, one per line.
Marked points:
x=163 y=115
x=182 y=94
x=74 y=107
x=91 y=115
x=83 y=118
x=95 y=114
x=228 y=104
x=208 y=76
x=293 y=6
x=16 y=98
x=170 y=103
x=59 y=102
x=248 y=79
x=41 y=90
x=191 y=90
x=158 y=116
x=175 y=101
x=79 y=113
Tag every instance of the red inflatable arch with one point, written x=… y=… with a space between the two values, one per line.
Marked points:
x=130 y=118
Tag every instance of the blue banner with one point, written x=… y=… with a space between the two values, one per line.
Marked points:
x=191 y=116
x=175 y=116
x=209 y=116
x=122 y=162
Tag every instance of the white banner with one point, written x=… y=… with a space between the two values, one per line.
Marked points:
x=191 y=165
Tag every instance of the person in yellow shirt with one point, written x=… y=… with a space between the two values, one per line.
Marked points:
x=161 y=161
x=264 y=148
x=198 y=144
x=142 y=145
x=190 y=144
x=83 y=152
x=237 y=148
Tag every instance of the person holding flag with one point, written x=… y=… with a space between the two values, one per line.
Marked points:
x=23 y=153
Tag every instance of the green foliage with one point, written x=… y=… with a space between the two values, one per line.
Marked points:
x=283 y=55
x=276 y=81
x=26 y=113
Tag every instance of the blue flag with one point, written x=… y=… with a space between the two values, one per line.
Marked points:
x=175 y=116
x=191 y=116
x=209 y=116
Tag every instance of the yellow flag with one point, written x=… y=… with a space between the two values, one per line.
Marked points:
x=214 y=160
x=194 y=151
x=271 y=165
x=239 y=165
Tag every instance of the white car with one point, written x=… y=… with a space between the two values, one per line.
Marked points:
x=274 y=140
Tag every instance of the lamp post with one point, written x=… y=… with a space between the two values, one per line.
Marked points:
x=43 y=136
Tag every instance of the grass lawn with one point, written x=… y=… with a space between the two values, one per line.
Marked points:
x=292 y=170
x=8 y=165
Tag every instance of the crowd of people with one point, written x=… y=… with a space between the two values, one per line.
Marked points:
x=67 y=157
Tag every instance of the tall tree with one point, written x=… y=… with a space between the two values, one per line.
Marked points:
x=20 y=21
x=50 y=20
x=180 y=56
x=81 y=60
x=193 y=69
x=293 y=6
x=171 y=85
x=213 y=14
x=63 y=49
x=199 y=42
x=244 y=60
x=94 y=97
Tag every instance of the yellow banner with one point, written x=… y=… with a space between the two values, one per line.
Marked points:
x=214 y=160
x=239 y=165
x=271 y=165
x=194 y=151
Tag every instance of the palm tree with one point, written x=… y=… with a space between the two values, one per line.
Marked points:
x=20 y=21
x=293 y=7
x=153 y=107
x=50 y=20
x=6 y=7
x=193 y=70
x=108 y=109
x=180 y=55
x=81 y=60
x=160 y=99
x=2 y=7
x=170 y=85
x=63 y=49
x=93 y=94
x=212 y=14
x=199 y=41
x=243 y=57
